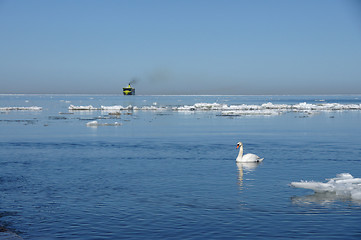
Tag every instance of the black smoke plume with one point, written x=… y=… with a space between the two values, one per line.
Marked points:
x=134 y=81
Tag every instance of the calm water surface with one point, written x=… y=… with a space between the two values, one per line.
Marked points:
x=173 y=175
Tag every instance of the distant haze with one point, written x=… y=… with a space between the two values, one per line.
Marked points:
x=181 y=47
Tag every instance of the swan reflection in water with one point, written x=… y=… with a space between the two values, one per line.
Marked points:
x=244 y=167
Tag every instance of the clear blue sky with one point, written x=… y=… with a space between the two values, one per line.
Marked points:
x=181 y=47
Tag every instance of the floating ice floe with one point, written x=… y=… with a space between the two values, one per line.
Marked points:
x=81 y=108
x=326 y=106
x=200 y=107
x=97 y=124
x=150 y=108
x=250 y=113
x=241 y=109
x=33 y=108
x=116 y=108
x=343 y=184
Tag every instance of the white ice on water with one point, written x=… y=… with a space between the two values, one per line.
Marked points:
x=33 y=108
x=343 y=184
x=97 y=124
x=114 y=108
x=233 y=110
x=81 y=108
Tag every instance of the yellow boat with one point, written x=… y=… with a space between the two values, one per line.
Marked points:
x=129 y=90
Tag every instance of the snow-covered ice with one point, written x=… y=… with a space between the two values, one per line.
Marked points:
x=96 y=124
x=33 y=108
x=343 y=184
x=232 y=110
x=82 y=108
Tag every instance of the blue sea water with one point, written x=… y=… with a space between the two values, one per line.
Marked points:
x=165 y=174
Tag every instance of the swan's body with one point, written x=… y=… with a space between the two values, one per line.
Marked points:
x=250 y=157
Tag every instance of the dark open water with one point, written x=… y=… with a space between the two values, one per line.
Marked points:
x=167 y=174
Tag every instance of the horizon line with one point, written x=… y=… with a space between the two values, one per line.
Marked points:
x=120 y=94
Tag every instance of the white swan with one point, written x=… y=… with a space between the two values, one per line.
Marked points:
x=250 y=157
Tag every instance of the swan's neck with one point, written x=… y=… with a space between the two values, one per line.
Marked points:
x=240 y=154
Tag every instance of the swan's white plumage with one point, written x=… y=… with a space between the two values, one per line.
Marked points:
x=250 y=157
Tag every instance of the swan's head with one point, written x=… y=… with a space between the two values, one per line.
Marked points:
x=239 y=144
